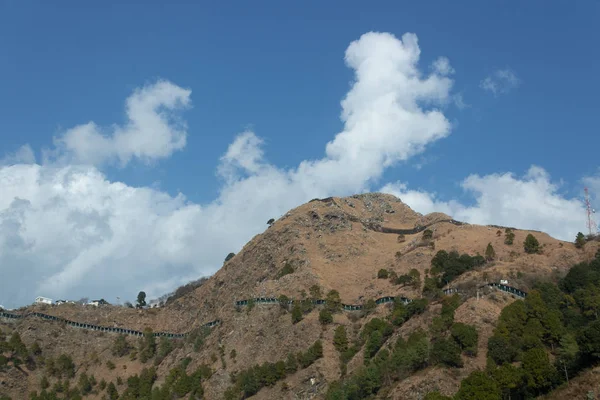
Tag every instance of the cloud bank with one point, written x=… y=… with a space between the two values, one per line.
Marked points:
x=66 y=231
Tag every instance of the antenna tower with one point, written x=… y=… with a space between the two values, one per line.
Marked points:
x=591 y=224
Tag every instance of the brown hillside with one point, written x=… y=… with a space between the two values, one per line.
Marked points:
x=336 y=243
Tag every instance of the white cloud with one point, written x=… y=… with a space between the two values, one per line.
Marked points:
x=500 y=81
x=533 y=202
x=153 y=130
x=442 y=66
x=24 y=155
x=66 y=231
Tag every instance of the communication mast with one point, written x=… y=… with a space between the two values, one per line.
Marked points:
x=591 y=224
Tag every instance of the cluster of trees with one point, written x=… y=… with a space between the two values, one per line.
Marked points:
x=445 y=267
x=249 y=381
x=553 y=334
x=14 y=353
x=443 y=344
x=178 y=384
x=413 y=278
x=333 y=304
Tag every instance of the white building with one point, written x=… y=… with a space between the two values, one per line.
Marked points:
x=42 y=300
x=503 y=282
x=97 y=303
x=154 y=303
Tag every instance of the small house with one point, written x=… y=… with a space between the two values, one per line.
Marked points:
x=42 y=300
x=97 y=303
x=503 y=282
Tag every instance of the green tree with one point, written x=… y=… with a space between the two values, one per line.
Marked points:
x=141 y=299
x=229 y=256
x=490 y=254
x=567 y=353
x=382 y=274
x=147 y=345
x=296 y=313
x=509 y=379
x=84 y=384
x=325 y=316
x=112 y=392
x=447 y=352
x=539 y=372
x=427 y=234
x=466 y=336
x=333 y=301
x=509 y=236
x=415 y=277
x=478 y=386
x=579 y=240
x=589 y=340
x=531 y=244
x=340 y=339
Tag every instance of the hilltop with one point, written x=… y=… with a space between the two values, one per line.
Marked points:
x=349 y=250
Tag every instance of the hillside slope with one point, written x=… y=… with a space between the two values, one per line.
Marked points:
x=336 y=244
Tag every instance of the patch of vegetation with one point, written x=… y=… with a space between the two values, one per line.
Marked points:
x=147 y=346
x=229 y=256
x=249 y=381
x=325 y=316
x=185 y=289
x=554 y=333
x=383 y=274
x=445 y=267
x=287 y=269
x=121 y=346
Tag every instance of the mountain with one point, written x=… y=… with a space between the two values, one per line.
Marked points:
x=348 y=251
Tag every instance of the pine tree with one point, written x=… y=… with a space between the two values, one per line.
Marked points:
x=579 y=240
x=490 y=254
x=531 y=244
x=509 y=236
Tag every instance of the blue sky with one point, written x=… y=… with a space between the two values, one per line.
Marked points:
x=526 y=73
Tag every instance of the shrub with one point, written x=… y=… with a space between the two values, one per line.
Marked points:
x=325 y=316
x=383 y=274
x=334 y=302
x=147 y=346
x=401 y=238
x=427 y=234
x=120 y=346
x=110 y=365
x=229 y=256
x=286 y=270
x=370 y=306
x=315 y=292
